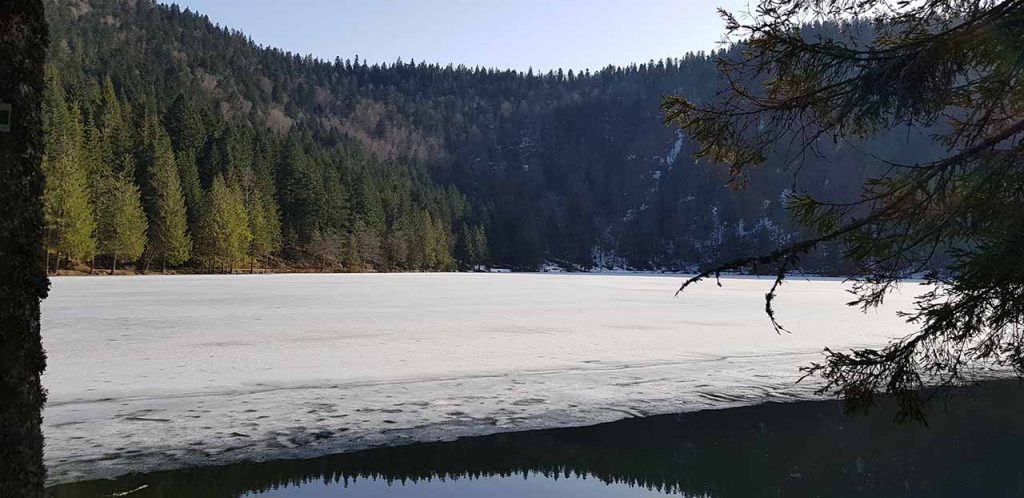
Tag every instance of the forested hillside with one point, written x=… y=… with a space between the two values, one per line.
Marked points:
x=172 y=141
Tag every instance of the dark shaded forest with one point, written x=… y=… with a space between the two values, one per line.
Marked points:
x=172 y=141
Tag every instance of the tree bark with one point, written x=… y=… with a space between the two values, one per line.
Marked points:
x=22 y=361
x=113 y=266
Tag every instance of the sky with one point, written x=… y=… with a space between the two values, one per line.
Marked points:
x=517 y=34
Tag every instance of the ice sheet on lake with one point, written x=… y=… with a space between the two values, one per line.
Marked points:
x=149 y=373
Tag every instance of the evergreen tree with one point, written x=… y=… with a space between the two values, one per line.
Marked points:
x=471 y=246
x=370 y=203
x=301 y=191
x=550 y=166
x=951 y=66
x=423 y=244
x=117 y=136
x=69 y=215
x=97 y=169
x=264 y=224
x=122 y=233
x=169 y=240
x=185 y=126
x=191 y=188
x=443 y=260
x=479 y=244
x=223 y=239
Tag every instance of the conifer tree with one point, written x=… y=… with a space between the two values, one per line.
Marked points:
x=69 y=215
x=443 y=260
x=97 y=169
x=471 y=246
x=264 y=224
x=224 y=238
x=122 y=232
x=480 y=248
x=191 y=188
x=431 y=248
x=952 y=68
x=371 y=207
x=185 y=126
x=114 y=127
x=169 y=240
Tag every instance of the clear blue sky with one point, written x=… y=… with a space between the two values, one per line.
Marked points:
x=544 y=34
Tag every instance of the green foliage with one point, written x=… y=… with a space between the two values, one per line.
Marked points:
x=471 y=247
x=117 y=137
x=169 y=240
x=949 y=68
x=551 y=166
x=264 y=222
x=69 y=214
x=223 y=237
x=122 y=231
x=188 y=173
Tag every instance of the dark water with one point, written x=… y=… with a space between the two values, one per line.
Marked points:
x=972 y=446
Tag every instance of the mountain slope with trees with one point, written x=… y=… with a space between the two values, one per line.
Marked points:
x=403 y=166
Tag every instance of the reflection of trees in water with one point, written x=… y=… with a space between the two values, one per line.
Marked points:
x=806 y=449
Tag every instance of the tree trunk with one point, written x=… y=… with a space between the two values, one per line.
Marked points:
x=92 y=266
x=56 y=271
x=252 y=265
x=163 y=266
x=113 y=266
x=22 y=55
x=145 y=266
x=47 y=264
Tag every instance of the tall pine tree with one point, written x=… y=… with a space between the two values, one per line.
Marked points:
x=122 y=232
x=69 y=215
x=169 y=240
x=223 y=237
x=264 y=224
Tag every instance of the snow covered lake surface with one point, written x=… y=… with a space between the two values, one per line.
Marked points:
x=160 y=372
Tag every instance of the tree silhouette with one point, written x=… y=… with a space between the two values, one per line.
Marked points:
x=950 y=68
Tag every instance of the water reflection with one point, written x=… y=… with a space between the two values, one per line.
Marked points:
x=970 y=448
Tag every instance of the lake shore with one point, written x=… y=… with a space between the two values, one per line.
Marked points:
x=969 y=447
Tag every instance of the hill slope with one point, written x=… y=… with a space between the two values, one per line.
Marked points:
x=420 y=166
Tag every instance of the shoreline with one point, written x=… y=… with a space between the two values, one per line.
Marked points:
x=273 y=432
x=298 y=458
x=605 y=272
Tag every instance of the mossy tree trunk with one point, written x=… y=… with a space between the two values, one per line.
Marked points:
x=23 y=281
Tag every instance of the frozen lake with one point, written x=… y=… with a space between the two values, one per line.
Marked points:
x=970 y=447
x=160 y=372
